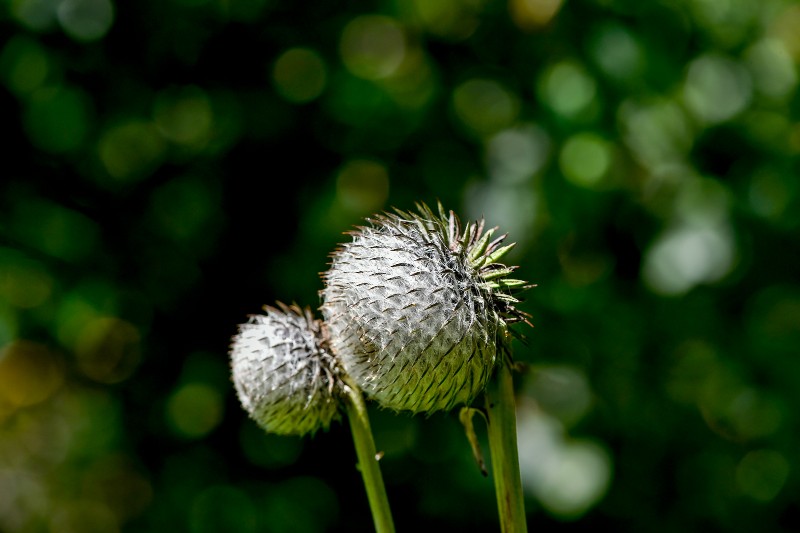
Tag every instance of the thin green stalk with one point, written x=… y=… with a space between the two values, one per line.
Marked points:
x=367 y=460
x=502 y=423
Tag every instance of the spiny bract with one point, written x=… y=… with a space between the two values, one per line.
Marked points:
x=417 y=308
x=284 y=373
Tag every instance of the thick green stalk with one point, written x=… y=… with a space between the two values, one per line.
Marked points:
x=501 y=415
x=367 y=460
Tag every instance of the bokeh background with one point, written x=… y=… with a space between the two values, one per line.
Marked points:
x=170 y=166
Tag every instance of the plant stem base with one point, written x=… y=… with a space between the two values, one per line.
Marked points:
x=368 y=461
x=501 y=417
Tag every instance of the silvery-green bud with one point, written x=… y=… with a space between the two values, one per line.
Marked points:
x=285 y=376
x=417 y=307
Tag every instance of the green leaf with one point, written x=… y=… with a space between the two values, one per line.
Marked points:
x=506 y=298
x=480 y=246
x=465 y=416
x=500 y=252
x=499 y=273
x=510 y=283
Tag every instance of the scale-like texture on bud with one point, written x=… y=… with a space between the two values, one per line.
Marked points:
x=285 y=376
x=417 y=309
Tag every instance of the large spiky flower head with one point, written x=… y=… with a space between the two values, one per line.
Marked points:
x=284 y=373
x=418 y=308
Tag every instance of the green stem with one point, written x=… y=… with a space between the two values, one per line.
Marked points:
x=368 y=461
x=501 y=415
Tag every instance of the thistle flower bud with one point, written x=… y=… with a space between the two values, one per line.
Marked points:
x=284 y=374
x=417 y=308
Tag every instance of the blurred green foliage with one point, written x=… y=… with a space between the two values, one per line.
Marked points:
x=171 y=166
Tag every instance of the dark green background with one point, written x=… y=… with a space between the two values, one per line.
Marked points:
x=170 y=166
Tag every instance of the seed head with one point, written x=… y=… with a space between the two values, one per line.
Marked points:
x=417 y=307
x=284 y=373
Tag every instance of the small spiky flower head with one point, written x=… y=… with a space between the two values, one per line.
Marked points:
x=284 y=373
x=417 y=307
